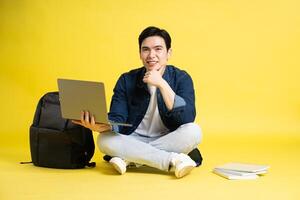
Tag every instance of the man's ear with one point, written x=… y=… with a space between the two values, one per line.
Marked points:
x=169 y=53
x=140 y=55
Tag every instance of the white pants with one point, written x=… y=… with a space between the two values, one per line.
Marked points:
x=154 y=152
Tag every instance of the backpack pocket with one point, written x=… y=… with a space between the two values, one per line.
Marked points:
x=50 y=148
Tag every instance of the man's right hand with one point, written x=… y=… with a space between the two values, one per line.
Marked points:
x=89 y=122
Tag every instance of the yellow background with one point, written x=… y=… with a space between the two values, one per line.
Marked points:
x=242 y=55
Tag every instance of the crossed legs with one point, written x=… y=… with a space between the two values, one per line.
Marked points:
x=153 y=152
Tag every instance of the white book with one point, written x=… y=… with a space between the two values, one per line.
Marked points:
x=243 y=167
x=239 y=173
x=231 y=176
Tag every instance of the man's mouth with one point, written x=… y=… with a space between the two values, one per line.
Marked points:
x=151 y=62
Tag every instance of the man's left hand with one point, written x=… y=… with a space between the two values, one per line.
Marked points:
x=154 y=77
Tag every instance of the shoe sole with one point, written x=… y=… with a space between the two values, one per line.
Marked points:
x=117 y=165
x=184 y=171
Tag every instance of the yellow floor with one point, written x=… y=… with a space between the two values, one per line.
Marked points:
x=281 y=152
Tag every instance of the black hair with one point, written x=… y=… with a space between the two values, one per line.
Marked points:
x=154 y=31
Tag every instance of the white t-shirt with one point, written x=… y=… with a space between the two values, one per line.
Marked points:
x=152 y=125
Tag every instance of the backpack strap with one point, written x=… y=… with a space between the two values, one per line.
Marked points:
x=66 y=125
x=91 y=164
x=27 y=162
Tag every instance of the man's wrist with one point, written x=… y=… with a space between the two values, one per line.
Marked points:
x=162 y=84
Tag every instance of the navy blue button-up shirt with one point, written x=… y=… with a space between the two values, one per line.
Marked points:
x=131 y=99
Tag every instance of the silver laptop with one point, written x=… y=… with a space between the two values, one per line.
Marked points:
x=76 y=96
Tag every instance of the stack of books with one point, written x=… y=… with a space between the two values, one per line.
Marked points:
x=239 y=171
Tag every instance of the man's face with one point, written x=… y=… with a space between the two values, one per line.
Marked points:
x=154 y=53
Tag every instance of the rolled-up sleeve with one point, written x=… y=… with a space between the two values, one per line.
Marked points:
x=183 y=110
x=178 y=102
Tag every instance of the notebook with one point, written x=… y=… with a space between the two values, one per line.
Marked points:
x=243 y=167
x=234 y=176
x=240 y=171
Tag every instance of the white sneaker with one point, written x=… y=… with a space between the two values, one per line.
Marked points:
x=119 y=164
x=183 y=164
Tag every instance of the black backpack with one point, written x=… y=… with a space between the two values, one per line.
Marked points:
x=56 y=142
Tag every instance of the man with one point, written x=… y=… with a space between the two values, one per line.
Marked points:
x=159 y=101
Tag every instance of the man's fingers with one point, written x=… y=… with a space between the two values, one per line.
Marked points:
x=82 y=117
x=147 y=75
x=89 y=122
x=145 y=80
x=76 y=122
x=93 y=120
x=87 y=117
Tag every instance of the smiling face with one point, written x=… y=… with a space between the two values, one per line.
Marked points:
x=154 y=53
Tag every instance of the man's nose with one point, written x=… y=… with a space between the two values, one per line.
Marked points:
x=151 y=53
